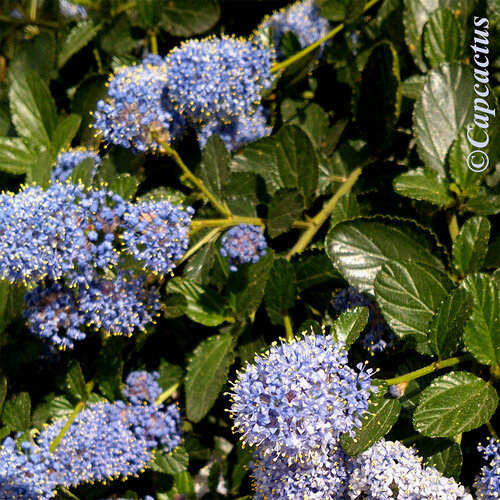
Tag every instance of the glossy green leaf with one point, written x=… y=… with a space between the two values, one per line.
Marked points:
x=33 y=109
x=171 y=463
x=347 y=208
x=483 y=204
x=79 y=36
x=409 y=295
x=424 y=184
x=3 y=391
x=83 y=172
x=412 y=86
x=110 y=368
x=471 y=245
x=15 y=156
x=40 y=169
x=443 y=454
x=214 y=167
x=170 y=374
x=65 y=132
x=149 y=12
x=349 y=325
x=442 y=38
x=448 y=323
x=184 y=19
x=206 y=374
x=75 y=382
x=360 y=247
x=482 y=333
x=313 y=269
x=285 y=207
x=125 y=185
x=17 y=413
x=280 y=293
x=443 y=108
x=454 y=403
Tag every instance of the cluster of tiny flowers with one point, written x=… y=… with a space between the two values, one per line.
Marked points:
x=52 y=313
x=39 y=233
x=216 y=84
x=243 y=244
x=136 y=114
x=300 y=398
x=142 y=387
x=120 y=305
x=302 y=19
x=69 y=9
x=390 y=470
x=99 y=446
x=318 y=478
x=156 y=234
x=68 y=160
x=23 y=474
x=488 y=483
x=377 y=336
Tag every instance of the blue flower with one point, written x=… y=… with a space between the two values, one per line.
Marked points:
x=156 y=234
x=390 y=470
x=301 y=18
x=136 y=114
x=142 y=387
x=68 y=160
x=488 y=483
x=97 y=447
x=377 y=336
x=119 y=305
x=321 y=477
x=40 y=233
x=300 y=398
x=243 y=244
x=23 y=473
x=52 y=314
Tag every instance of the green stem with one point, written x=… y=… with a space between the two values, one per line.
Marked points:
x=28 y=22
x=166 y=394
x=428 y=369
x=189 y=175
x=491 y=429
x=288 y=327
x=323 y=214
x=299 y=55
x=68 y=493
x=203 y=241
x=236 y=219
x=451 y=218
x=78 y=408
x=154 y=43
x=125 y=7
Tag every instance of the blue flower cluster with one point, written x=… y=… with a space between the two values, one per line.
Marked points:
x=142 y=387
x=67 y=242
x=243 y=244
x=390 y=470
x=488 y=483
x=136 y=114
x=299 y=398
x=67 y=160
x=377 y=336
x=303 y=19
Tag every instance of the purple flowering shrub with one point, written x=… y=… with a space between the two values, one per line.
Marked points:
x=249 y=250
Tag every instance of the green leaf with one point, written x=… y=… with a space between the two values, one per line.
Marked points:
x=125 y=185
x=284 y=160
x=484 y=204
x=204 y=306
x=448 y=323
x=170 y=374
x=424 y=184
x=280 y=290
x=349 y=325
x=207 y=372
x=359 y=248
x=65 y=132
x=247 y=285
x=380 y=95
x=443 y=38
x=3 y=391
x=40 y=169
x=214 y=167
x=347 y=208
x=443 y=108
x=17 y=413
x=454 y=403
x=443 y=454
x=412 y=86
x=184 y=19
x=117 y=40
x=382 y=415
x=75 y=382
x=33 y=109
x=241 y=193
x=199 y=265
x=471 y=245
x=79 y=36
x=149 y=12
x=482 y=332
x=333 y=10
x=15 y=156
x=175 y=305
x=110 y=368
x=83 y=172
x=409 y=295
x=285 y=207
x=313 y=269
x=171 y=463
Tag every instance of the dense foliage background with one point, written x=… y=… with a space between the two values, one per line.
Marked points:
x=363 y=182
